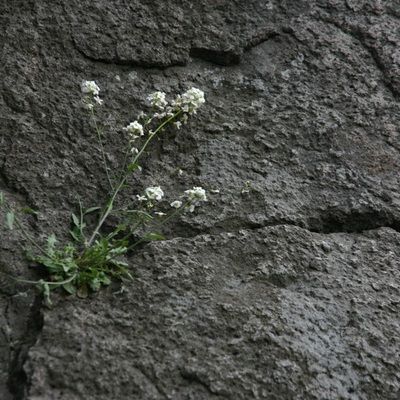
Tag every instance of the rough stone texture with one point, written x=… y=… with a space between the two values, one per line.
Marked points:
x=288 y=292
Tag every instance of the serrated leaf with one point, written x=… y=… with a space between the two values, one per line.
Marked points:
x=95 y=284
x=104 y=280
x=10 y=220
x=51 y=241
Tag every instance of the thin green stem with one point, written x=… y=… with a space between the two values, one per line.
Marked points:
x=124 y=166
x=106 y=213
x=157 y=226
x=109 y=207
x=42 y=282
x=23 y=230
x=154 y=134
x=103 y=156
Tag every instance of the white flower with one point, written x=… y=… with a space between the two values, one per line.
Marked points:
x=160 y=214
x=157 y=99
x=192 y=100
x=141 y=198
x=90 y=87
x=154 y=193
x=197 y=193
x=178 y=124
x=178 y=101
x=134 y=150
x=134 y=128
x=159 y=116
x=98 y=100
x=176 y=204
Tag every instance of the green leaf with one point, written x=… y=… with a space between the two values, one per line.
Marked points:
x=154 y=236
x=104 y=279
x=91 y=209
x=10 y=220
x=75 y=235
x=51 y=241
x=69 y=287
x=75 y=220
x=27 y=210
x=44 y=287
x=95 y=284
x=131 y=168
x=1 y=199
x=50 y=264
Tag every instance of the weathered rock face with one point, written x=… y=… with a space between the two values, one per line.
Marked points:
x=289 y=291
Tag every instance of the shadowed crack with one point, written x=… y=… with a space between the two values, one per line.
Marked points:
x=18 y=381
x=226 y=58
x=132 y=62
x=233 y=56
x=339 y=222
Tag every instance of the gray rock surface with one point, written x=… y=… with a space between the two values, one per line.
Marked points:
x=289 y=291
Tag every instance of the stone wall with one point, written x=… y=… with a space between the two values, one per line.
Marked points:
x=289 y=291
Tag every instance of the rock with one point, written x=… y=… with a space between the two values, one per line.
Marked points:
x=284 y=285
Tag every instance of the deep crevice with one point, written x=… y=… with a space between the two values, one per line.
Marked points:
x=18 y=381
x=219 y=57
x=355 y=222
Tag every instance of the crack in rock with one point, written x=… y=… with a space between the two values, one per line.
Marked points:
x=336 y=221
x=18 y=380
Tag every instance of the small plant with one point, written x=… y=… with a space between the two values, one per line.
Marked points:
x=93 y=258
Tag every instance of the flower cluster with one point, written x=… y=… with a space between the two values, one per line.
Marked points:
x=192 y=100
x=91 y=91
x=154 y=193
x=176 y=112
x=135 y=129
x=157 y=100
x=176 y=204
x=90 y=87
x=196 y=193
x=150 y=195
x=194 y=196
